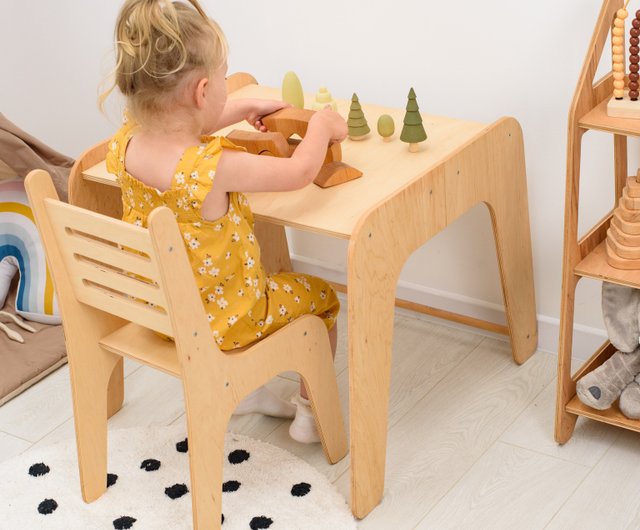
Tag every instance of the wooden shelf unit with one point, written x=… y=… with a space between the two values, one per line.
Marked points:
x=587 y=257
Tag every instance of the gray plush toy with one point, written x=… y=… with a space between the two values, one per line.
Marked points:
x=619 y=376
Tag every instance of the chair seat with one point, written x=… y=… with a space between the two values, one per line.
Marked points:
x=145 y=346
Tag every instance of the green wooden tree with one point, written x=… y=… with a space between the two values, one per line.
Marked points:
x=412 y=131
x=386 y=127
x=357 y=123
x=292 y=90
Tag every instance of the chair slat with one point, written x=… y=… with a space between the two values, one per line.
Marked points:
x=67 y=216
x=80 y=270
x=126 y=308
x=114 y=256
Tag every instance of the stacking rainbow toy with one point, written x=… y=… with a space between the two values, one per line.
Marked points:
x=21 y=250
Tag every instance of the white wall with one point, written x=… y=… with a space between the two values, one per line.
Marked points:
x=467 y=59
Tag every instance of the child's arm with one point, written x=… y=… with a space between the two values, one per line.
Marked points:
x=239 y=171
x=251 y=110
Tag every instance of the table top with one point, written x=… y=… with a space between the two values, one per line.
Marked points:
x=387 y=168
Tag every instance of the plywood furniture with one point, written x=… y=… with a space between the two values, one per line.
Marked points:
x=107 y=273
x=401 y=201
x=586 y=256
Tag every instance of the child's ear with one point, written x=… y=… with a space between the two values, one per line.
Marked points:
x=201 y=92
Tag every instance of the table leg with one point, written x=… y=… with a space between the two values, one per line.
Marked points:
x=378 y=249
x=491 y=169
x=273 y=247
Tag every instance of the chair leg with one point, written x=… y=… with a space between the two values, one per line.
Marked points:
x=115 y=391
x=319 y=378
x=89 y=384
x=207 y=424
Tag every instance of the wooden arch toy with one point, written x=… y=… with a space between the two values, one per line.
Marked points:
x=279 y=141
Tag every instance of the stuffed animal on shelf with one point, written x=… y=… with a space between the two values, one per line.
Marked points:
x=619 y=376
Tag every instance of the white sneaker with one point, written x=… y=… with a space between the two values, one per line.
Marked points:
x=303 y=427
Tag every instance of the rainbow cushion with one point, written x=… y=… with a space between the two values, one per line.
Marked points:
x=21 y=250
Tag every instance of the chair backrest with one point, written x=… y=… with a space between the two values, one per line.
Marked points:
x=109 y=264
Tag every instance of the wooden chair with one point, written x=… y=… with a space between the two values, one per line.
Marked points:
x=93 y=259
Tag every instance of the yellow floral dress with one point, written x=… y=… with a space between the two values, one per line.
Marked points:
x=241 y=301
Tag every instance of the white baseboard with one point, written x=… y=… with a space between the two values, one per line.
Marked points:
x=586 y=340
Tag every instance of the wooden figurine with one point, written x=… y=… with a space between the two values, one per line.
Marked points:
x=412 y=131
x=323 y=98
x=623 y=235
x=282 y=125
x=292 y=90
x=386 y=127
x=357 y=123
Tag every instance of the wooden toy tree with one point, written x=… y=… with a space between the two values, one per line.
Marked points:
x=357 y=123
x=324 y=98
x=386 y=127
x=292 y=90
x=412 y=131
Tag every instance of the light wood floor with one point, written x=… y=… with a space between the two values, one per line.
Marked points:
x=470 y=436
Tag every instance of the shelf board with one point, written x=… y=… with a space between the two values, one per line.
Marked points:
x=612 y=415
x=597 y=119
x=595 y=266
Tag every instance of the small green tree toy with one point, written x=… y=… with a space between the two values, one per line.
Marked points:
x=357 y=123
x=386 y=127
x=292 y=90
x=413 y=132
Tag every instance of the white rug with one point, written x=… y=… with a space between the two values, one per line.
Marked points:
x=264 y=487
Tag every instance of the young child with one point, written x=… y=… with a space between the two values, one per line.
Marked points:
x=171 y=66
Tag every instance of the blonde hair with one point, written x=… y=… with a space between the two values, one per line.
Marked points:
x=159 y=43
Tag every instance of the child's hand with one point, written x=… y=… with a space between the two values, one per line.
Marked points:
x=262 y=107
x=331 y=122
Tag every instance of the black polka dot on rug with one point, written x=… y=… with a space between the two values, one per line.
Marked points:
x=47 y=506
x=230 y=485
x=222 y=519
x=150 y=464
x=301 y=489
x=176 y=491
x=124 y=523
x=238 y=456
x=260 y=522
x=183 y=446
x=112 y=478
x=37 y=470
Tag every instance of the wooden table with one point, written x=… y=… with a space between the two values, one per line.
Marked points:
x=402 y=201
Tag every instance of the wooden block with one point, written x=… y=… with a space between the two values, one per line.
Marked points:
x=631 y=203
x=335 y=173
x=624 y=226
x=620 y=250
x=623 y=108
x=289 y=121
x=626 y=214
x=621 y=263
x=633 y=187
x=629 y=240
x=260 y=143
